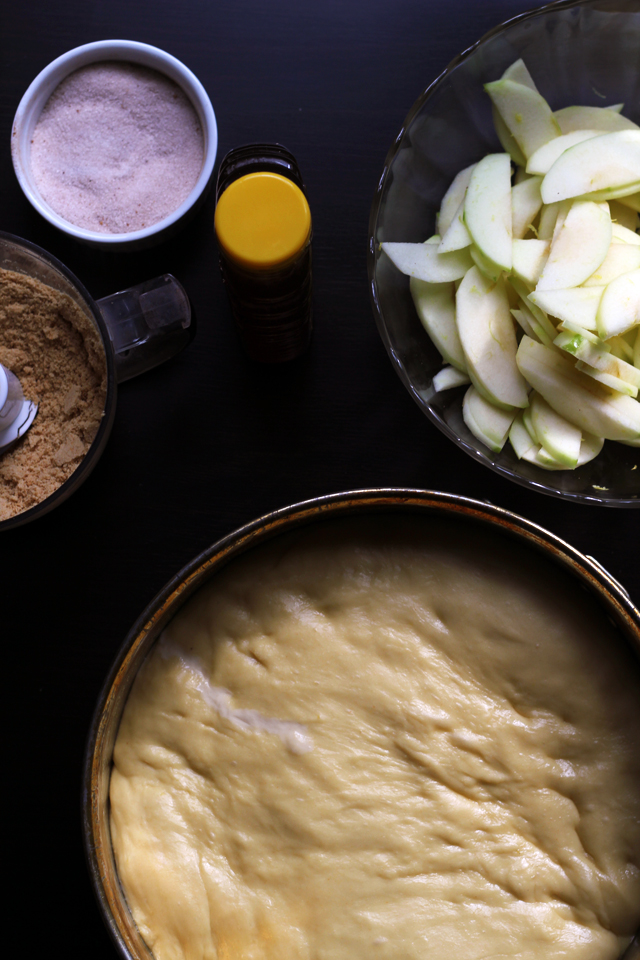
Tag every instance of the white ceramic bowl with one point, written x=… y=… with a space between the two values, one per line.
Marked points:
x=45 y=83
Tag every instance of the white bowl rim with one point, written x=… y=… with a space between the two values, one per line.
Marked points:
x=41 y=88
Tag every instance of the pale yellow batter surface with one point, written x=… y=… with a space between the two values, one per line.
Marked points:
x=383 y=740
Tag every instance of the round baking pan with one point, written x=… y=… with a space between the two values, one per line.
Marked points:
x=589 y=575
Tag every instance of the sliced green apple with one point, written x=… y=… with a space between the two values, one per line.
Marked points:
x=453 y=198
x=599 y=356
x=615 y=383
x=621 y=348
x=488 y=340
x=526 y=114
x=448 y=378
x=423 y=261
x=488 y=423
x=579 y=304
x=529 y=258
x=559 y=438
x=589 y=448
x=545 y=156
x=526 y=202
x=520 y=439
x=613 y=193
x=563 y=212
x=606 y=119
x=547 y=222
x=457 y=236
x=572 y=327
x=579 y=398
x=487 y=208
x=524 y=291
x=435 y=306
x=487 y=267
x=621 y=258
x=519 y=73
x=524 y=322
x=579 y=247
x=622 y=234
x=507 y=141
x=619 y=308
x=606 y=162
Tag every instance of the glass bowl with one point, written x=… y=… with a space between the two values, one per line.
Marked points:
x=578 y=52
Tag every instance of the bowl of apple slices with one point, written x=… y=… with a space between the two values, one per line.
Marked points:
x=504 y=253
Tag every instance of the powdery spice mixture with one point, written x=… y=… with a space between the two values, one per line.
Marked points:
x=117 y=148
x=54 y=350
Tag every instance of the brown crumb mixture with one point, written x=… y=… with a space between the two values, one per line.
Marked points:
x=56 y=353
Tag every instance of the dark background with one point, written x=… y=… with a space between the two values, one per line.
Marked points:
x=210 y=441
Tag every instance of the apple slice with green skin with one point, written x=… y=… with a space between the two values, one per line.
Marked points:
x=621 y=258
x=621 y=348
x=527 y=324
x=619 y=309
x=448 y=378
x=547 y=222
x=545 y=156
x=506 y=139
x=589 y=449
x=435 y=306
x=560 y=438
x=606 y=162
x=520 y=439
x=457 y=236
x=526 y=202
x=423 y=261
x=488 y=340
x=519 y=74
x=572 y=327
x=623 y=215
x=621 y=234
x=605 y=119
x=579 y=304
x=529 y=258
x=599 y=356
x=579 y=248
x=563 y=212
x=488 y=423
x=615 y=383
x=636 y=351
x=579 y=398
x=613 y=193
x=453 y=198
x=526 y=114
x=524 y=291
x=486 y=267
x=487 y=208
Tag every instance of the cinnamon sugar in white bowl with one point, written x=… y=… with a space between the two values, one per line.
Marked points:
x=141 y=192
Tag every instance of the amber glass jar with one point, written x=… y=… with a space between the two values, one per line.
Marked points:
x=263 y=226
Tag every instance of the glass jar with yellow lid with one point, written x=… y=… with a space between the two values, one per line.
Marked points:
x=263 y=226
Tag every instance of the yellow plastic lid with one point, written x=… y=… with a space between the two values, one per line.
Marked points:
x=262 y=219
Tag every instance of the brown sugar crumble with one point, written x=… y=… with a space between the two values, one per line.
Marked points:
x=56 y=353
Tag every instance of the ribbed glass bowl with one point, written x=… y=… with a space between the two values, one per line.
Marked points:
x=585 y=52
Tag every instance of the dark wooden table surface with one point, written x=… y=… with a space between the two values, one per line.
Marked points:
x=210 y=441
